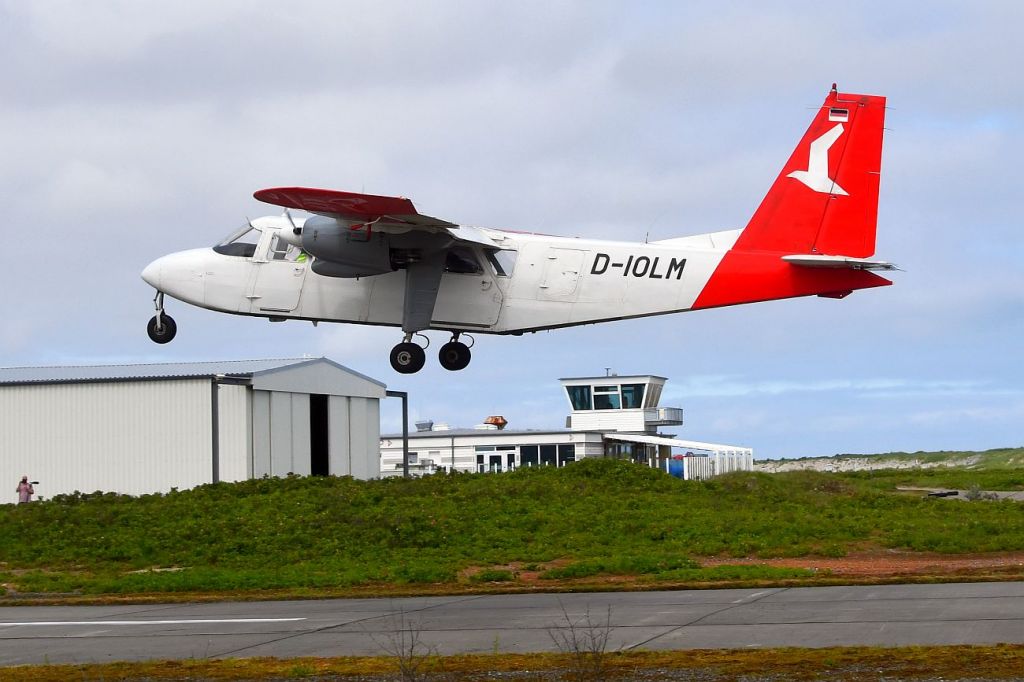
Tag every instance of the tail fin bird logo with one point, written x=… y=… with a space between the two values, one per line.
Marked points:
x=816 y=176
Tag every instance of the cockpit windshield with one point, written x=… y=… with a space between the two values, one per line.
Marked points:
x=241 y=242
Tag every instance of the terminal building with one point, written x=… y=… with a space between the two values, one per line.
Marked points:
x=610 y=416
x=148 y=428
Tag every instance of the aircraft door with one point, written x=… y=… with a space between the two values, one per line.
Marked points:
x=469 y=295
x=561 y=278
x=280 y=272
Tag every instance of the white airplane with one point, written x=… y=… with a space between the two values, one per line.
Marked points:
x=368 y=259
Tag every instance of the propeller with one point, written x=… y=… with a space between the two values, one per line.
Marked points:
x=295 y=236
x=295 y=228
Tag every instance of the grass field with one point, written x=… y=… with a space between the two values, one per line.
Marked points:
x=596 y=517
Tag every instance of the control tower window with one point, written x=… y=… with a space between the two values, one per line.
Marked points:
x=632 y=396
x=579 y=396
x=606 y=398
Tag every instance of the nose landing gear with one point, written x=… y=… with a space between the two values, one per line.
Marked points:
x=161 y=327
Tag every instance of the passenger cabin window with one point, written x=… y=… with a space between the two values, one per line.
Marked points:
x=462 y=260
x=503 y=262
x=242 y=242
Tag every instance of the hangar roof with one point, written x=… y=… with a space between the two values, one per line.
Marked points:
x=241 y=369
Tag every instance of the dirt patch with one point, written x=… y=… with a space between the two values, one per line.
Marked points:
x=873 y=563
x=883 y=563
x=866 y=567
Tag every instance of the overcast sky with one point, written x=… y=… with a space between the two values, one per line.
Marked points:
x=132 y=129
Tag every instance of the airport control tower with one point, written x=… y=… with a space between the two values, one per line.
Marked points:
x=628 y=404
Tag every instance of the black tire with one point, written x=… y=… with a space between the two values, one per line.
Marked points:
x=407 y=358
x=169 y=329
x=454 y=356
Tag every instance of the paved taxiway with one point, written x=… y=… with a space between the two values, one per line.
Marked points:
x=969 y=613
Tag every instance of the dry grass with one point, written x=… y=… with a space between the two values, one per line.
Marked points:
x=947 y=662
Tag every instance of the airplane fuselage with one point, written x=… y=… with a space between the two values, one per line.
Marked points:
x=374 y=259
x=543 y=282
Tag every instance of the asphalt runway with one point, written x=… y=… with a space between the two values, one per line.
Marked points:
x=888 y=615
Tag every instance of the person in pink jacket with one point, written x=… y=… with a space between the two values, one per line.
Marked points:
x=25 y=491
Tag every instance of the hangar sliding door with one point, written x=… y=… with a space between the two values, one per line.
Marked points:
x=280 y=427
x=354 y=426
x=319 y=434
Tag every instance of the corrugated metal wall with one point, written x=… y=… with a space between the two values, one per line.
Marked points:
x=127 y=437
x=234 y=421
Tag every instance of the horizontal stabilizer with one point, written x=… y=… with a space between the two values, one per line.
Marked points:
x=818 y=261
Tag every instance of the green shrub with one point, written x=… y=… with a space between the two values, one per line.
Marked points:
x=605 y=517
x=493 y=575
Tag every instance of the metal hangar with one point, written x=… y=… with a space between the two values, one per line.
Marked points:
x=151 y=427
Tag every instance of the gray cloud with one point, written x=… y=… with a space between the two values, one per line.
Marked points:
x=130 y=130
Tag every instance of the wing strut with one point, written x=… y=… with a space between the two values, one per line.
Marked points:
x=422 y=282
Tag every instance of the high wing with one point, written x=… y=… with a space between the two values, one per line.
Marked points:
x=362 y=235
x=384 y=213
x=350 y=206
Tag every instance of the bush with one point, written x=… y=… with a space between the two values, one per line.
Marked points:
x=604 y=517
x=492 y=575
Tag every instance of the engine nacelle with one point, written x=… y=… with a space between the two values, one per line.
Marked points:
x=341 y=251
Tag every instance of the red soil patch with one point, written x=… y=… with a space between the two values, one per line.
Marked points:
x=883 y=563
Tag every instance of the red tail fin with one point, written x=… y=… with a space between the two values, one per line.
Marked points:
x=824 y=203
x=825 y=200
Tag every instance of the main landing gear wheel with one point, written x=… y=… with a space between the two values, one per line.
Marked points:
x=408 y=358
x=454 y=356
x=161 y=328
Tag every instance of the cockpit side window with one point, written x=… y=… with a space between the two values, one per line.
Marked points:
x=462 y=260
x=282 y=250
x=503 y=261
x=242 y=242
